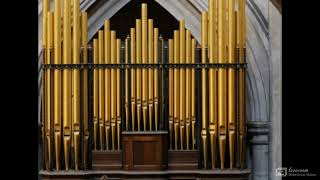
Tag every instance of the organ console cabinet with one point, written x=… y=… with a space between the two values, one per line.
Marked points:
x=144 y=106
x=145 y=151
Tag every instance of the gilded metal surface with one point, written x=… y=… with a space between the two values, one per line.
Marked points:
x=150 y=72
x=66 y=83
x=156 y=76
x=113 y=89
x=188 y=88
x=48 y=84
x=118 y=93
x=138 y=81
x=193 y=92
x=144 y=58
x=242 y=81
x=171 y=89
x=76 y=82
x=176 y=87
x=222 y=81
x=107 y=47
x=133 y=77
x=231 y=82
x=45 y=9
x=101 y=90
x=126 y=83
x=95 y=94
x=182 y=112
x=84 y=42
x=213 y=82
x=204 y=38
x=57 y=83
x=44 y=100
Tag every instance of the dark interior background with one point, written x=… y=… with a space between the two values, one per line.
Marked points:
x=126 y=17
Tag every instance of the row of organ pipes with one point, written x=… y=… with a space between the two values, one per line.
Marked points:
x=222 y=89
x=66 y=107
x=64 y=32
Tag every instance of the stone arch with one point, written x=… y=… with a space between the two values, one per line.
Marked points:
x=257 y=45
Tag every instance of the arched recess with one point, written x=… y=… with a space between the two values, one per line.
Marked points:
x=257 y=44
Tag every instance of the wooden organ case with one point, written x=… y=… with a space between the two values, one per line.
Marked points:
x=144 y=107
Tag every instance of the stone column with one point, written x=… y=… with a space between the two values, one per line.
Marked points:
x=275 y=29
x=258 y=141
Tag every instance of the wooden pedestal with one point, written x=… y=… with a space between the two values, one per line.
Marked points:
x=183 y=160
x=106 y=160
x=144 y=151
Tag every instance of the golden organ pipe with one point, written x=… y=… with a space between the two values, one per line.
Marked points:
x=144 y=52
x=182 y=82
x=66 y=82
x=44 y=99
x=171 y=92
x=95 y=93
x=43 y=114
x=127 y=83
x=204 y=37
x=159 y=48
x=76 y=81
x=150 y=71
x=107 y=60
x=237 y=82
x=118 y=93
x=156 y=77
x=101 y=90
x=133 y=77
x=138 y=54
x=213 y=81
x=113 y=88
x=57 y=82
x=84 y=38
x=231 y=82
x=49 y=87
x=71 y=25
x=193 y=91
x=222 y=78
x=45 y=9
x=188 y=88
x=242 y=81
x=176 y=87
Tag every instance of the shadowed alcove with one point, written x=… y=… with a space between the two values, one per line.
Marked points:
x=125 y=18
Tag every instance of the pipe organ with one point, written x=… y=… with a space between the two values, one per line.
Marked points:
x=99 y=93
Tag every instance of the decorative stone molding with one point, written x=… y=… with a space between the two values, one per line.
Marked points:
x=258 y=133
x=258 y=137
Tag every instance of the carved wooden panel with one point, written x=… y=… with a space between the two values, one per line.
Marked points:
x=183 y=160
x=106 y=160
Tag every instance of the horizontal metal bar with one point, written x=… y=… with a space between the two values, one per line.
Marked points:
x=146 y=66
